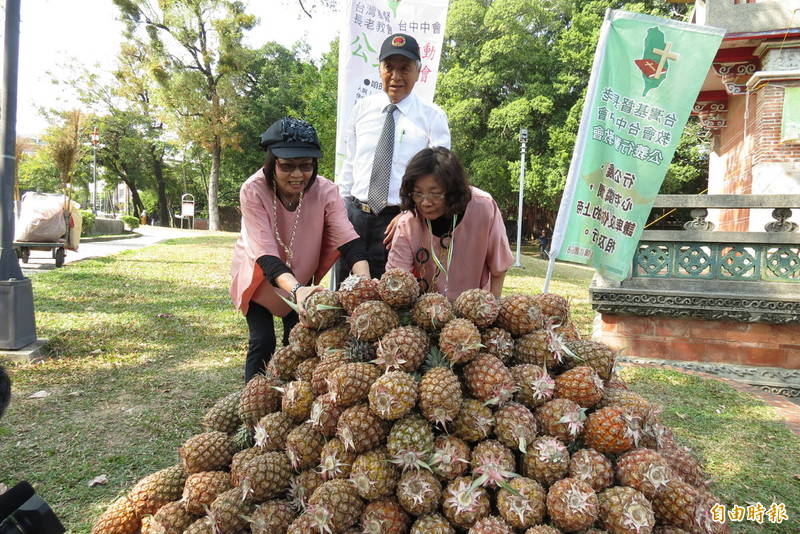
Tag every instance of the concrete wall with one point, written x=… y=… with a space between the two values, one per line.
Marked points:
x=107 y=226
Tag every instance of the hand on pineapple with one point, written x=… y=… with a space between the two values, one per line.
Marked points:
x=302 y=294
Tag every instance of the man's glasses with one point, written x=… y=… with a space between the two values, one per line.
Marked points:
x=289 y=168
x=433 y=197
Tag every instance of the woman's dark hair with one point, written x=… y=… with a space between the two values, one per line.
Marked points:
x=447 y=169
x=269 y=170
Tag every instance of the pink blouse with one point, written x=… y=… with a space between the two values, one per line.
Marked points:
x=321 y=229
x=480 y=248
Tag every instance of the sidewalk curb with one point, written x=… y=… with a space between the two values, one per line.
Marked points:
x=132 y=235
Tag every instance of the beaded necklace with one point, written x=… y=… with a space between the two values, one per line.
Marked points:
x=287 y=250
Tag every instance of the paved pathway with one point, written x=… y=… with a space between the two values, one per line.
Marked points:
x=43 y=260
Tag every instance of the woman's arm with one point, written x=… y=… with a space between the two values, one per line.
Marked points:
x=496 y=285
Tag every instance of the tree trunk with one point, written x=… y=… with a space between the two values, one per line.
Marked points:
x=213 y=184
x=158 y=172
x=137 y=202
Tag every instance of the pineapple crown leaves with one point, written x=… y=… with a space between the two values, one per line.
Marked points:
x=322 y=518
x=544 y=386
x=417 y=488
x=491 y=473
x=351 y=282
x=550 y=449
x=574 y=420
x=295 y=308
x=409 y=459
x=520 y=506
x=435 y=358
x=576 y=499
x=465 y=496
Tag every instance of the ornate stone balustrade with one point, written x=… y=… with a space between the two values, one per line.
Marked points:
x=729 y=300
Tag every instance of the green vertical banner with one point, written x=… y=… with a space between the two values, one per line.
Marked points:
x=645 y=79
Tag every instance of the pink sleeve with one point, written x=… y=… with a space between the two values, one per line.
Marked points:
x=401 y=255
x=257 y=224
x=338 y=228
x=498 y=254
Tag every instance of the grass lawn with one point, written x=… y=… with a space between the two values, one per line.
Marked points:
x=146 y=341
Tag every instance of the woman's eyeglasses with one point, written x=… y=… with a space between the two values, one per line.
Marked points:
x=289 y=168
x=433 y=197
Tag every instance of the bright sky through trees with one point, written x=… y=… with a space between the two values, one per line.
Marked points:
x=55 y=33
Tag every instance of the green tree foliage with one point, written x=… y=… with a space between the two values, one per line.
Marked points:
x=515 y=63
x=198 y=45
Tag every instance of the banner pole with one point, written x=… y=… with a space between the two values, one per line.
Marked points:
x=559 y=230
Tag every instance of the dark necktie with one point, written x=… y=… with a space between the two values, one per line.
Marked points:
x=382 y=165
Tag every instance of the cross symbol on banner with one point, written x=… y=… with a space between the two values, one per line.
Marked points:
x=665 y=55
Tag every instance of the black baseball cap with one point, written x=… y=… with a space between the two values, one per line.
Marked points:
x=291 y=138
x=399 y=43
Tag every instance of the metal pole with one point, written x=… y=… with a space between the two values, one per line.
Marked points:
x=94 y=177
x=9 y=264
x=523 y=138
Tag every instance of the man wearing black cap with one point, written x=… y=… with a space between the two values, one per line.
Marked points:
x=386 y=130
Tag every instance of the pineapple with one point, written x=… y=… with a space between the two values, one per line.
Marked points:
x=209 y=451
x=527 y=507
x=272 y=517
x=201 y=526
x=393 y=395
x=241 y=459
x=325 y=415
x=119 y=518
x=283 y=363
x=498 y=342
x=297 y=399
x=464 y=505
x=323 y=309
x=439 y=391
x=460 y=341
x=356 y=289
x=410 y=442
x=668 y=529
x=360 y=351
x=519 y=314
x=561 y=418
x=536 y=347
x=304 y=338
x=488 y=379
x=335 y=505
x=490 y=525
x=542 y=529
x=158 y=489
x=450 y=458
x=515 y=426
x=493 y=463
x=302 y=487
x=432 y=311
x=474 y=421
x=202 y=488
x=372 y=319
x=398 y=288
x=627 y=400
x=373 y=475
x=229 y=512
x=419 y=492
x=596 y=355
x=611 y=431
x=319 y=378
x=384 y=517
x=304 y=445
x=685 y=466
x=644 y=470
x=172 y=518
x=403 y=348
x=554 y=307
x=334 y=337
x=361 y=430
x=266 y=476
x=580 y=384
x=350 y=383
x=305 y=369
x=572 y=504
x=259 y=398
x=224 y=415
x=271 y=431
x=534 y=385
x=546 y=461
x=335 y=460
x=306 y=524
x=595 y=469
x=477 y=305
x=432 y=524
x=624 y=510
x=675 y=505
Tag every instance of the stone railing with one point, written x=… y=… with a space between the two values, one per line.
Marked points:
x=697 y=272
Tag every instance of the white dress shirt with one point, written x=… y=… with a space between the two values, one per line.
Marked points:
x=417 y=124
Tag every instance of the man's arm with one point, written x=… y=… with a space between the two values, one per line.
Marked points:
x=345 y=178
x=440 y=131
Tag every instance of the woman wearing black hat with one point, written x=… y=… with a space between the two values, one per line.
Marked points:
x=294 y=227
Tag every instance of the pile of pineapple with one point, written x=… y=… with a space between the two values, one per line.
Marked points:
x=394 y=413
